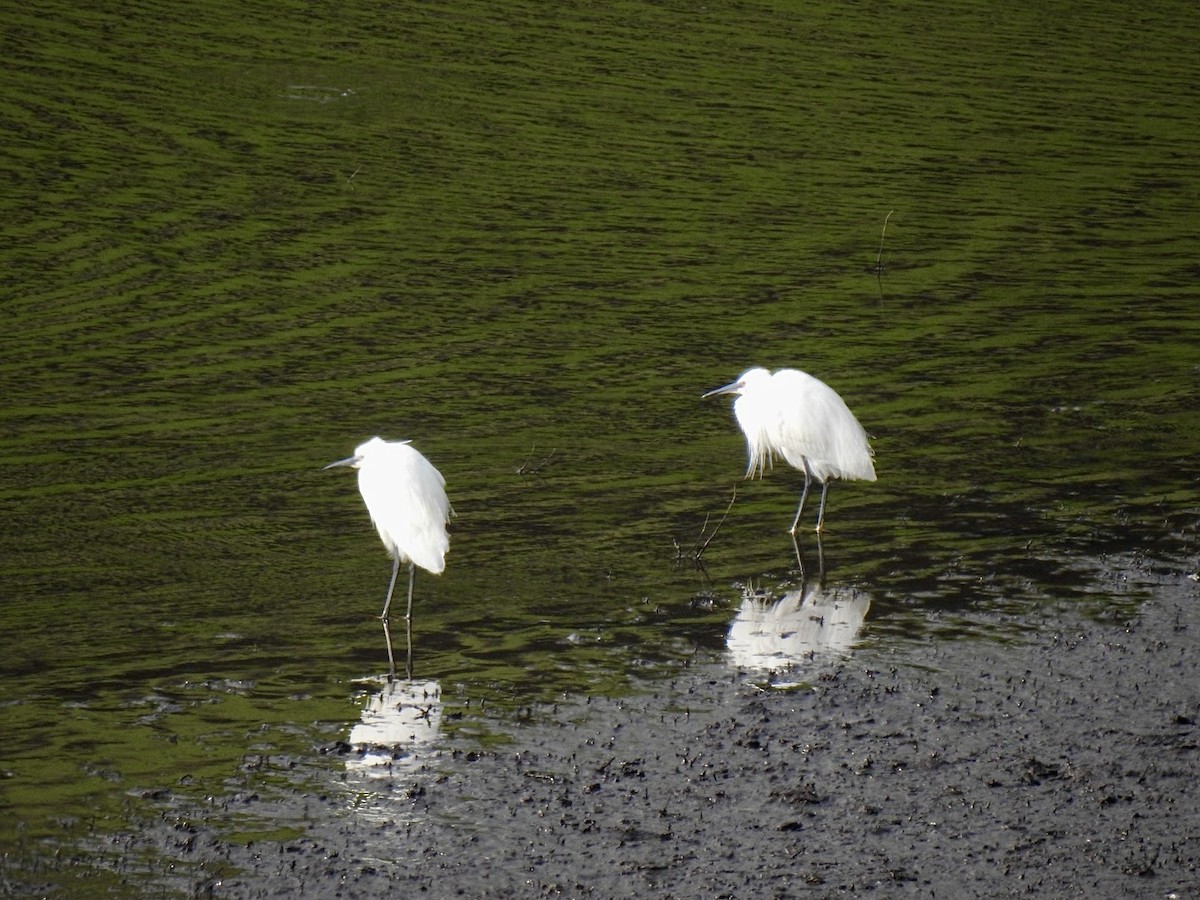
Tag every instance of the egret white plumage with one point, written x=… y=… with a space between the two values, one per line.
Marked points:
x=794 y=415
x=406 y=497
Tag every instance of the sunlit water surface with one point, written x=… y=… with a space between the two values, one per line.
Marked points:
x=238 y=241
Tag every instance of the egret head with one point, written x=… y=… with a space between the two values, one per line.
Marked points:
x=351 y=461
x=361 y=452
x=744 y=383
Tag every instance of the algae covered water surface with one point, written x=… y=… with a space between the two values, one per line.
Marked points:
x=237 y=243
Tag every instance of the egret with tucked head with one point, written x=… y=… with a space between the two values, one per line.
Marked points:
x=406 y=497
x=794 y=415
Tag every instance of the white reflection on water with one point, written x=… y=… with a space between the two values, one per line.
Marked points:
x=398 y=722
x=798 y=628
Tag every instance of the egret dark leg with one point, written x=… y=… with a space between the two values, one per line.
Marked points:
x=800 y=560
x=799 y=557
x=387 y=637
x=821 y=514
x=392 y=587
x=803 y=497
x=412 y=577
x=408 y=667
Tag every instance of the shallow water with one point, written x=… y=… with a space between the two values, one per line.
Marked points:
x=237 y=244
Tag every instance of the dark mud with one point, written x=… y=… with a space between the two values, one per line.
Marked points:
x=1060 y=766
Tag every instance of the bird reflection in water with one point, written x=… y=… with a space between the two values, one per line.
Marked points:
x=812 y=622
x=398 y=721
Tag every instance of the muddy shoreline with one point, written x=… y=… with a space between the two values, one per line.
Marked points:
x=1061 y=766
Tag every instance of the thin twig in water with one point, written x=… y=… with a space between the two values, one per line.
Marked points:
x=702 y=545
x=882 y=238
x=526 y=469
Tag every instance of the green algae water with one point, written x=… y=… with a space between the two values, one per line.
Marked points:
x=240 y=240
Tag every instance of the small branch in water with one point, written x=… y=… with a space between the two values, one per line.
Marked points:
x=702 y=542
x=527 y=469
x=882 y=238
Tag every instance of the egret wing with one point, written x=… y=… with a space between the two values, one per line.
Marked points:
x=813 y=423
x=407 y=500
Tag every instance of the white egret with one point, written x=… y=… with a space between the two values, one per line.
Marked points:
x=794 y=415
x=406 y=497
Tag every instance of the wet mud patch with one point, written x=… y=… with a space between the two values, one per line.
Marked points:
x=1062 y=766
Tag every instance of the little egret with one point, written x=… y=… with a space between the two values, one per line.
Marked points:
x=406 y=497
x=793 y=415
